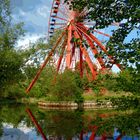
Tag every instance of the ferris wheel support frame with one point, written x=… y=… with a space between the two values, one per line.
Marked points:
x=68 y=48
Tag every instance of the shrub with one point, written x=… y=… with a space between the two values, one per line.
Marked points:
x=67 y=87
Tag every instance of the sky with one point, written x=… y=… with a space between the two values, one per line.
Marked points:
x=34 y=14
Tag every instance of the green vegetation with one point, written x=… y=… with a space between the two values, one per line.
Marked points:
x=67 y=86
x=122 y=89
x=106 y=12
x=16 y=73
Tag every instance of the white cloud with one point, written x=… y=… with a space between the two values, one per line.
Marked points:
x=22 y=13
x=36 y=19
x=43 y=11
x=25 y=41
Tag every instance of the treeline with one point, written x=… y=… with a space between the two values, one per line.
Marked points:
x=67 y=86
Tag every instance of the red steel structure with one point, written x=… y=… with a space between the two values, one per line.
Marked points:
x=92 y=128
x=76 y=44
x=35 y=122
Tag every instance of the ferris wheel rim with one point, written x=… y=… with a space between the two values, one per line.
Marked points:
x=55 y=9
x=53 y=17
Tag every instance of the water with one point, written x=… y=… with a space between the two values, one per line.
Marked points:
x=22 y=122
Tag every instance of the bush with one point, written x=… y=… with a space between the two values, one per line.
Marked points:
x=129 y=80
x=67 y=87
x=43 y=84
x=103 y=82
x=10 y=72
x=126 y=102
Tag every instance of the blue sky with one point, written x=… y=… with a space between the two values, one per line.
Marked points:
x=34 y=14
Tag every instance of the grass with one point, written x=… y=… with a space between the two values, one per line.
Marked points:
x=90 y=95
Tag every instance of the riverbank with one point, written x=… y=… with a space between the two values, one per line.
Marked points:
x=90 y=101
x=73 y=105
x=95 y=103
x=67 y=104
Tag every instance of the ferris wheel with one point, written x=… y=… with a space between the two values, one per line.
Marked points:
x=76 y=43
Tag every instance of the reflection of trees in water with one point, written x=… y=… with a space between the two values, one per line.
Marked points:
x=14 y=115
x=127 y=124
x=71 y=123
x=61 y=123
x=11 y=115
x=1 y=128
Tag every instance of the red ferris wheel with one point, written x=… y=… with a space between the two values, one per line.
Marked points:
x=76 y=43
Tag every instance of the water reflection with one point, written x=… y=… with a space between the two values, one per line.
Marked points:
x=21 y=123
x=36 y=123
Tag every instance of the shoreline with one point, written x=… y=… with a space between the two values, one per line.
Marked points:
x=73 y=105
x=60 y=104
x=106 y=103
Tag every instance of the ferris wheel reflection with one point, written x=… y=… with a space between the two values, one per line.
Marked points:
x=90 y=134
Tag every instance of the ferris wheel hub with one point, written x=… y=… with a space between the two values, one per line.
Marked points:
x=76 y=44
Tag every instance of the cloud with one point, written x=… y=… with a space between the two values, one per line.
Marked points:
x=26 y=5
x=24 y=42
x=34 y=14
x=22 y=13
x=43 y=11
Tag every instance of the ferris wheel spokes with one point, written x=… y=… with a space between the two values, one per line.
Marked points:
x=85 y=53
x=45 y=63
x=85 y=30
x=76 y=45
x=61 y=54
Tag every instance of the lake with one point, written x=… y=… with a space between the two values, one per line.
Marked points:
x=25 y=122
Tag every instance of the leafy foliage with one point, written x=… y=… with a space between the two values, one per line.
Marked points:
x=126 y=14
x=43 y=85
x=123 y=103
x=129 y=80
x=10 y=60
x=9 y=32
x=106 y=80
x=9 y=67
x=67 y=86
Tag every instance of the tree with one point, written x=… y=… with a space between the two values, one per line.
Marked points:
x=10 y=59
x=9 y=67
x=106 y=12
x=67 y=87
x=129 y=80
x=9 y=31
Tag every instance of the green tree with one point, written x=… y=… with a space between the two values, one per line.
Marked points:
x=129 y=80
x=9 y=31
x=43 y=84
x=10 y=59
x=106 y=12
x=9 y=67
x=67 y=86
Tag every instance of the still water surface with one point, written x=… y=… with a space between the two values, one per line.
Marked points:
x=20 y=122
